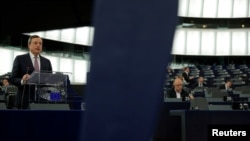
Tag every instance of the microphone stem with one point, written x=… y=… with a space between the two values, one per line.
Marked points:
x=24 y=88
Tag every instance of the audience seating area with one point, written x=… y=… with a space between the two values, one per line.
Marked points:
x=215 y=75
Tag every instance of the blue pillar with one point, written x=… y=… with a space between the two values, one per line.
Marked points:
x=132 y=45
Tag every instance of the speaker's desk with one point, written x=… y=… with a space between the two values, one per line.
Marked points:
x=41 y=125
x=194 y=123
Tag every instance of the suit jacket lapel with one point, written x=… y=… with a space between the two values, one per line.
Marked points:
x=41 y=63
x=29 y=63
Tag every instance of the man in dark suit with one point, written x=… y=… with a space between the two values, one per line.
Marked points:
x=199 y=88
x=228 y=86
x=200 y=83
x=23 y=66
x=187 y=78
x=177 y=90
x=186 y=75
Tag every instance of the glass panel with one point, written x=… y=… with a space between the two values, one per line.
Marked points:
x=183 y=8
x=84 y=35
x=80 y=71
x=193 y=42
x=68 y=35
x=210 y=8
x=225 y=8
x=223 y=43
x=208 y=42
x=239 y=43
x=54 y=62
x=179 y=43
x=66 y=65
x=240 y=8
x=53 y=34
x=7 y=60
x=195 y=8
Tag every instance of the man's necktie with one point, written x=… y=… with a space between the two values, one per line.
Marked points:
x=36 y=66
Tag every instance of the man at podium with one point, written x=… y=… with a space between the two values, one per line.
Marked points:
x=23 y=66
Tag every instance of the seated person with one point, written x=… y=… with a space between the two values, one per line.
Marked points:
x=200 y=83
x=182 y=78
x=177 y=90
x=186 y=75
x=170 y=71
x=4 y=82
x=199 y=88
x=187 y=78
x=228 y=86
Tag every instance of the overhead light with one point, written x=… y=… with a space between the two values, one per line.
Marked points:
x=187 y=24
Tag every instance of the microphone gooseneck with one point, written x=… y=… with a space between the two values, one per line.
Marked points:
x=24 y=83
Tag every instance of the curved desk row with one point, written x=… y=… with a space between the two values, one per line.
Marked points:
x=169 y=127
x=197 y=125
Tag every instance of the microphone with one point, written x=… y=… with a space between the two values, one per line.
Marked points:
x=27 y=71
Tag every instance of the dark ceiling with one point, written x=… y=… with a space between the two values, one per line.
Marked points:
x=35 y=15
x=18 y=17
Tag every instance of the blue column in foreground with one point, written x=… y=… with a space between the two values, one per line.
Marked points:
x=132 y=45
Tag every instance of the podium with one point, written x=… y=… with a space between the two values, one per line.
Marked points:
x=49 y=86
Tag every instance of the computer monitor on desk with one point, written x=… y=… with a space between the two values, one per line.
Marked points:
x=199 y=94
x=199 y=89
x=173 y=100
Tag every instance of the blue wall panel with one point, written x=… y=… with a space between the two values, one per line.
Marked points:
x=132 y=45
